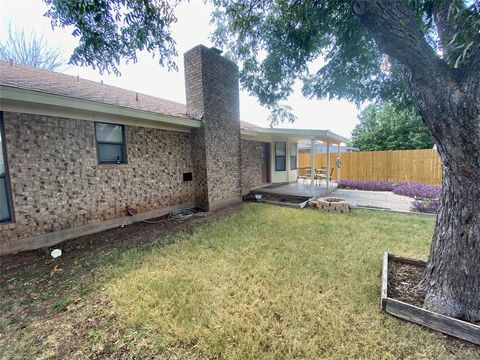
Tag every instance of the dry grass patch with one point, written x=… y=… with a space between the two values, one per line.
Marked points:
x=268 y=282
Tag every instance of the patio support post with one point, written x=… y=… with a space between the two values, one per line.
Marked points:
x=312 y=165
x=338 y=156
x=328 y=165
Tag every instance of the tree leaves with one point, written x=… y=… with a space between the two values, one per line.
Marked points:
x=384 y=126
x=109 y=31
x=277 y=41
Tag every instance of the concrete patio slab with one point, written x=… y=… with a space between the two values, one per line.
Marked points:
x=300 y=188
x=375 y=199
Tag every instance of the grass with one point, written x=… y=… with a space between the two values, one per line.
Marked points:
x=267 y=282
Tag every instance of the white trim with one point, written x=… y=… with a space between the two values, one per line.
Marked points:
x=15 y=96
x=323 y=135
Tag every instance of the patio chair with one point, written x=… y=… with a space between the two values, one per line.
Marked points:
x=323 y=176
x=305 y=174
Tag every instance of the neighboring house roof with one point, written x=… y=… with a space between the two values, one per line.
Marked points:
x=29 y=78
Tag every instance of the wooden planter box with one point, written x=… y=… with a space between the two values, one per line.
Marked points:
x=445 y=324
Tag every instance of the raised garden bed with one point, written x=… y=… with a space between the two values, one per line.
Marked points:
x=283 y=200
x=400 y=275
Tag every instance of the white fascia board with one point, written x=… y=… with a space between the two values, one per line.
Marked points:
x=323 y=135
x=37 y=97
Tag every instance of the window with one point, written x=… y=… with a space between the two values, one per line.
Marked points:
x=293 y=156
x=110 y=143
x=5 y=199
x=280 y=156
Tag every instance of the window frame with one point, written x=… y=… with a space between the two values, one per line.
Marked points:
x=123 y=145
x=6 y=175
x=281 y=156
x=293 y=164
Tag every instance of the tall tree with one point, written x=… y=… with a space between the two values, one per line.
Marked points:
x=384 y=126
x=367 y=47
x=30 y=49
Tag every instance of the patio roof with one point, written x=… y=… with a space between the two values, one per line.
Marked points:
x=259 y=133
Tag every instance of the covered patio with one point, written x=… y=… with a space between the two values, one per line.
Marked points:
x=299 y=188
x=285 y=177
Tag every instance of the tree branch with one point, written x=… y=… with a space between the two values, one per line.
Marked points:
x=473 y=62
x=446 y=28
x=397 y=32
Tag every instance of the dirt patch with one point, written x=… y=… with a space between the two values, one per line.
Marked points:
x=402 y=282
x=120 y=238
x=289 y=199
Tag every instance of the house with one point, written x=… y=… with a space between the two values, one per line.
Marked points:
x=75 y=154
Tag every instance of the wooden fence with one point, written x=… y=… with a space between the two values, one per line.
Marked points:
x=423 y=166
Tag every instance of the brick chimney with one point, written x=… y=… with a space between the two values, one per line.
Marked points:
x=211 y=83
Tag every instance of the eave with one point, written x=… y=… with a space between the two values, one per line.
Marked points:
x=16 y=98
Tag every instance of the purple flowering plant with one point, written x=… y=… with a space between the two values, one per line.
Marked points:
x=417 y=190
x=365 y=185
x=426 y=196
x=426 y=205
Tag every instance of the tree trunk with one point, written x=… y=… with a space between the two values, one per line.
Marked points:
x=452 y=278
x=449 y=103
x=451 y=110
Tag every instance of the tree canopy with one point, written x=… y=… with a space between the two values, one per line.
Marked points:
x=275 y=42
x=111 y=30
x=384 y=126
x=279 y=42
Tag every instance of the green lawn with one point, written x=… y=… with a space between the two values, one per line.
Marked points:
x=266 y=282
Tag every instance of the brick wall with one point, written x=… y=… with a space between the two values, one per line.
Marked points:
x=252 y=153
x=57 y=183
x=213 y=96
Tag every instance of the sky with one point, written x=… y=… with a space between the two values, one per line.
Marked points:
x=147 y=76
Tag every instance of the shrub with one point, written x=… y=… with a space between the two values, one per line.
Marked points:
x=426 y=205
x=365 y=185
x=416 y=190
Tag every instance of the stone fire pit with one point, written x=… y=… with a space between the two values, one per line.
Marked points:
x=333 y=204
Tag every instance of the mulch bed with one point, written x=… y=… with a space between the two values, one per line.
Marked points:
x=402 y=281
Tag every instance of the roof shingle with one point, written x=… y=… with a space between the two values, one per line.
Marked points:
x=50 y=82
x=29 y=78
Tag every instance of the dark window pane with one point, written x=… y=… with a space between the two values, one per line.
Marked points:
x=109 y=132
x=110 y=153
x=280 y=163
x=4 y=206
x=2 y=159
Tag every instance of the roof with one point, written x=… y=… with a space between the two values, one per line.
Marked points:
x=320 y=147
x=29 y=78
x=42 y=84
x=248 y=126
x=253 y=131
